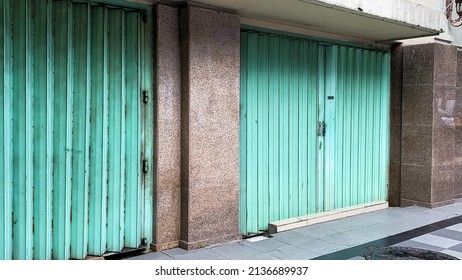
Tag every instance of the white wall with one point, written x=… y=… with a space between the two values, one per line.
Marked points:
x=452 y=35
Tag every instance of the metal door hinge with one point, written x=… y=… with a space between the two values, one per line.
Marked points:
x=321 y=128
x=145 y=166
x=145 y=97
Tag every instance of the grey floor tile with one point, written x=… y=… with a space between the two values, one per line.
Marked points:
x=200 y=255
x=418 y=245
x=152 y=256
x=321 y=246
x=448 y=233
x=290 y=237
x=457 y=248
x=456 y=227
x=451 y=209
x=315 y=231
x=234 y=251
x=340 y=226
x=175 y=252
x=262 y=256
x=368 y=235
x=294 y=253
x=384 y=215
x=416 y=221
x=346 y=239
x=385 y=229
x=410 y=210
x=436 y=241
x=431 y=216
x=266 y=245
x=406 y=224
x=359 y=221
x=453 y=253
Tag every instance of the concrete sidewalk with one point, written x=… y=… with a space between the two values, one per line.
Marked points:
x=342 y=239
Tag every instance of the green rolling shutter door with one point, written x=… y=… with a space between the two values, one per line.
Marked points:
x=74 y=130
x=288 y=86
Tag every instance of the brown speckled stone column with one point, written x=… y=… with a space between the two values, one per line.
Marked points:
x=210 y=127
x=458 y=130
x=428 y=125
x=394 y=185
x=168 y=129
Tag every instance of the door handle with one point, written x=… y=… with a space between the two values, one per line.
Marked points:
x=321 y=128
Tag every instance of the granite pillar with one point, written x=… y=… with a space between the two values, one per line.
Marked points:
x=428 y=125
x=210 y=49
x=168 y=129
x=394 y=181
x=458 y=130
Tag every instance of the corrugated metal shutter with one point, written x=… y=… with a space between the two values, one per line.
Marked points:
x=361 y=126
x=287 y=86
x=73 y=130
x=278 y=146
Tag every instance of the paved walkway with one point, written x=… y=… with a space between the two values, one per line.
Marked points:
x=437 y=229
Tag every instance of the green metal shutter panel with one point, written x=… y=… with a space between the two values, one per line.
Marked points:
x=287 y=86
x=278 y=129
x=361 y=126
x=73 y=129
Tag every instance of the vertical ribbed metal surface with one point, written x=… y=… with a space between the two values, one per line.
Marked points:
x=287 y=86
x=132 y=146
x=6 y=131
x=278 y=129
x=360 y=125
x=72 y=129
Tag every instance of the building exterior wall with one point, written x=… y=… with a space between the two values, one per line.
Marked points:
x=196 y=104
x=197 y=124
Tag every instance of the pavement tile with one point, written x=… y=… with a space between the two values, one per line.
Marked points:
x=384 y=215
x=294 y=253
x=346 y=239
x=410 y=210
x=436 y=241
x=200 y=255
x=406 y=224
x=359 y=221
x=457 y=248
x=451 y=209
x=384 y=229
x=290 y=237
x=447 y=233
x=315 y=231
x=456 y=227
x=367 y=235
x=418 y=245
x=416 y=221
x=234 y=251
x=175 y=252
x=321 y=246
x=266 y=245
x=151 y=256
x=342 y=225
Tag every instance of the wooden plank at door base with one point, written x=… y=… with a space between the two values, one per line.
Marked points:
x=288 y=224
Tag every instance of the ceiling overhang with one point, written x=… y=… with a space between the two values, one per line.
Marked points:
x=375 y=21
